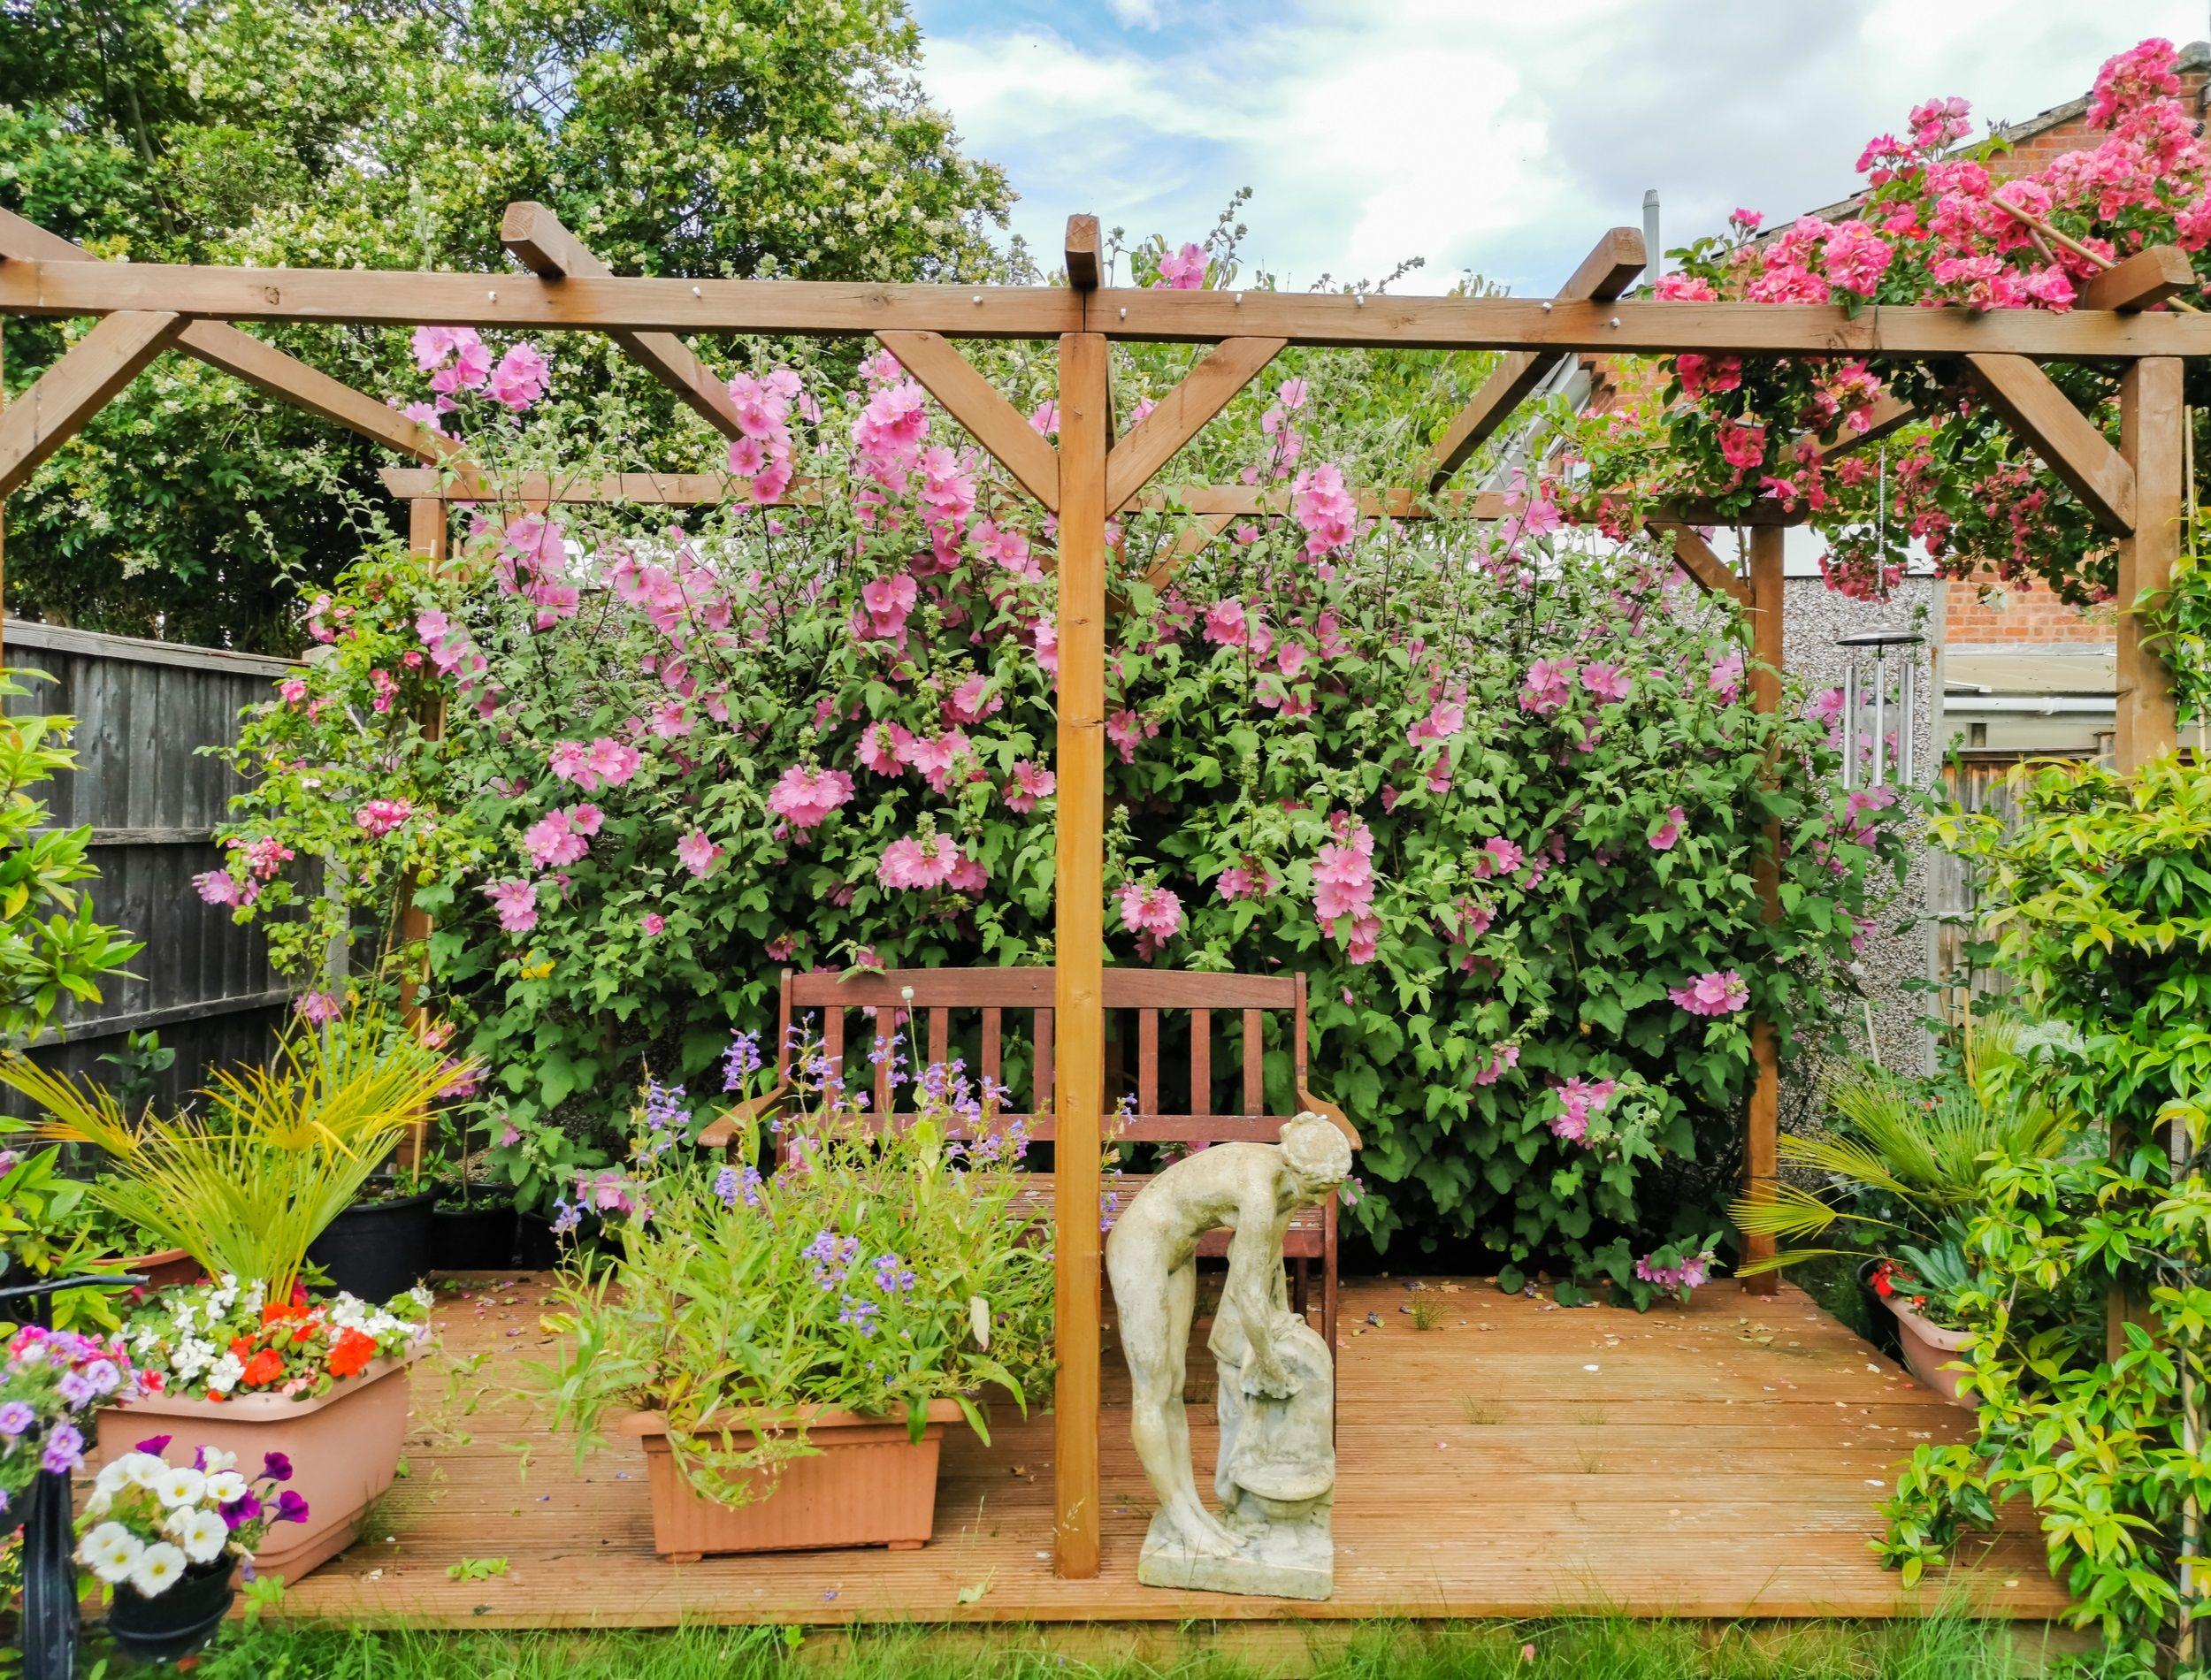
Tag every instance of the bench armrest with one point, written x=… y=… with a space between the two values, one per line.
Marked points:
x=721 y=1132
x=1329 y=1111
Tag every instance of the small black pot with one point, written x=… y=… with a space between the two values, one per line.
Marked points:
x=538 y=1248
x=1886 y=1335
x=377 y=1249
x=476 y=1238
x=180 y=1621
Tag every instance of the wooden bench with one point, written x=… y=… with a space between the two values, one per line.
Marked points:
x=818 y=1002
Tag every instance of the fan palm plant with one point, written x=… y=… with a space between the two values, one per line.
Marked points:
x=1901 y=1157
x=279 y=1153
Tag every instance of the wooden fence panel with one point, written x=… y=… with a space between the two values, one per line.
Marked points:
x=152 y=798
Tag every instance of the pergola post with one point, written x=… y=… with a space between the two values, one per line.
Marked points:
x=428 y=530
x=1763 y=1118
x=2151 y=418
x=1078 y=947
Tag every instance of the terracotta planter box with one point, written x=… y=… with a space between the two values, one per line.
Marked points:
x=870 y=1484
x=1929 y=1350
x=164 y=1269
x=344 y=1449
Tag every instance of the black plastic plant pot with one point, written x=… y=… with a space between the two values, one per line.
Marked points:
x=473 y=1239
x=538 y=1248
x=175 y=1624
x=1886 y=1335
x=377 y=1249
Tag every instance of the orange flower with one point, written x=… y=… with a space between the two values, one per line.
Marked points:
x=264 y=1369
x=277 y=1311
x=351 y=1357
x=242 y=1346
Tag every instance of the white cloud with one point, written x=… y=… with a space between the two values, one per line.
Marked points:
x=1478 y=133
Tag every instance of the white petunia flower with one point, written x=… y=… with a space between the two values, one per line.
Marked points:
x=204 y=1537
x=110 y=1552
x=180 y=1484
x=223 y=1487
x=141 y=1470
x=214 y=1458
x=113 y=1477
x=158 y=1568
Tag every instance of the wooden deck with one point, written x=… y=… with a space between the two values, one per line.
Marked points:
x=1724 y=1460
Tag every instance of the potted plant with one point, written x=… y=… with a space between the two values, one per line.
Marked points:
x=472 y=1224
x=1920 y=1288
x=139 y=1065
x=52 y=1383
x=788 y=1345
x=246 y=1360
x=162 y=1539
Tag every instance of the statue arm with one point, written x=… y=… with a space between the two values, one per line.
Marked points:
x=1254 y=1273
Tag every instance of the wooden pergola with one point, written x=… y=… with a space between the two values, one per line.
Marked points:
x=2135 y=492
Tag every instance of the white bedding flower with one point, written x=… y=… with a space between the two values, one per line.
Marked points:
x=214 y=1458
x=158 y=1568
x=223 y=1376
x=224 y=1486
x=141 y=1470
x=180 y=1484
x=202 y=1534
x=110 y=1550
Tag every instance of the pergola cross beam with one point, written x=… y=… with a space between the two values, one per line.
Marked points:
x=77 y=387
x=1604 y=275
x=238 y=353
x=534 y=236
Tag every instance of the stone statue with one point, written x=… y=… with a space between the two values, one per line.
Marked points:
x=1275 y=1475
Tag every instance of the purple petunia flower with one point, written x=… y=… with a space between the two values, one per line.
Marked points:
x=15 y=1417
x=64 y=1449
x=290 y=1507
x=154 y=1445
x=277 y=1467
x=243 y=1509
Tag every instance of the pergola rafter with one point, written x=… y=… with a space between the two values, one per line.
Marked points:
x=1089 y=476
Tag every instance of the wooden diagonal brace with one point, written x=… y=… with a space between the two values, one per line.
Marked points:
x=260 y=365
x=536 y=239
x=77 y=387
x=1604 y=274
x=2066 y=438
x=1695 y=557
x=971 y=400
x=1203 y=392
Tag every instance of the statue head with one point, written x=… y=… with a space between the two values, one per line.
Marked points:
x=1319 y=1156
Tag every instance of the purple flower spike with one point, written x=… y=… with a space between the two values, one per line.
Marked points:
x=156 y=1445
x=277 y=1467
x=290 y=1507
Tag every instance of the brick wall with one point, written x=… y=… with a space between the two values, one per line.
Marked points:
x=2021 y=617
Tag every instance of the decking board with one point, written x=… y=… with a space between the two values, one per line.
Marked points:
x=1722 y=1460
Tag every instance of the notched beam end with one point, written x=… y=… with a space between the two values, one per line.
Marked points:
x=1083 y=267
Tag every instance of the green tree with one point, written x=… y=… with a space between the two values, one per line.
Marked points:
x=736 y=138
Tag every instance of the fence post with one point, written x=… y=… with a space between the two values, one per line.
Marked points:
x=1762 y=1115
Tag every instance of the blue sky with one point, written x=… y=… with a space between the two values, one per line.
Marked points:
x=1494 y=137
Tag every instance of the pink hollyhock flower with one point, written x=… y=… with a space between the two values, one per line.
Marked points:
x=1725 y=678
x=915 y=864
x=433 y=344
x=1445 y=719
x=696 y=852
x=1547 y=686
x=381 y=816
x=1149 y=908
x=1343 y=882
x=879 y=748
x=612 y=761
x=1290 y=657
x=970 y=703
x=1365 y=936
x=1498 y=856
x=934 y=758
x=1183 y=272
x=968 y=876
x=515 y=901
x=1580 y=1101
x=1663 y=837
x=1043 y=419
x=1125 y=729
x=1721 y=992
x=1224 y=625
x=586 y=819
x=521 y=376
x=804 y=799
x=316 y=1008
x=1502 y=1059
x=1030 y=783
x=1324 y=509
x=653 y=923
x=570 y=760
x=553 y=843
x=472 y=364
x=1607 y=681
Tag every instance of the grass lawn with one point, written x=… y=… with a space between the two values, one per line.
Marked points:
x=1566 y=1650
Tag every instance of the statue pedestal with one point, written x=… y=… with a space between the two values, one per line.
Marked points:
x=1280 y=1559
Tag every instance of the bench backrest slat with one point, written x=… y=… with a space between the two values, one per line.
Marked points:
x=901 y=1001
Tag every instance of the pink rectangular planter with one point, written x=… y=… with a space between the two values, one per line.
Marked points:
x=344 y=1447
x=1928 y=1350
x=869 y=1484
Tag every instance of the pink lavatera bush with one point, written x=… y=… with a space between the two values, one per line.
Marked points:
x=1938 y=221
x=1499 y=802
